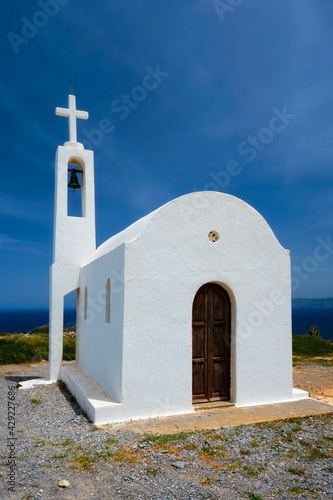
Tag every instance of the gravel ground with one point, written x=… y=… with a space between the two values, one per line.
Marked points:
x=55 y=441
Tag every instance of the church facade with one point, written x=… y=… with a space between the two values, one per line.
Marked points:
x=191 y=304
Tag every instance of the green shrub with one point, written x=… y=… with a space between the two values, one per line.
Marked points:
x=69 y=348
x=304 y=345
x=18 y=348
x=314 y=331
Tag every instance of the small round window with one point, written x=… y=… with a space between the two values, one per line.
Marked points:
x=213 y=236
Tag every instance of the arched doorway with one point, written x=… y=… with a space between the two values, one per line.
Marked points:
x=211 y=336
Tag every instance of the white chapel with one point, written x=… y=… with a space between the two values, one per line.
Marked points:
x=194 y=302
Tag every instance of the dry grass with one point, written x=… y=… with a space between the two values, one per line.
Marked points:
x=128 y=455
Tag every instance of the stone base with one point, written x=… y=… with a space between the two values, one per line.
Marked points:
x=101 y=408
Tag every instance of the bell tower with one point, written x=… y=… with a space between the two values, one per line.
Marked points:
x=74 y=238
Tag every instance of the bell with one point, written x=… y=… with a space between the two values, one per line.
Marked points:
x=74 y=183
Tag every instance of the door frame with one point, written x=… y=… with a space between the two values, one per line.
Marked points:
x=231 y=296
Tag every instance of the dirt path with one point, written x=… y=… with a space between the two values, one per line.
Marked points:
x=316 y=379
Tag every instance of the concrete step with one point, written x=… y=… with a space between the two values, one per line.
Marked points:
x=212 y=404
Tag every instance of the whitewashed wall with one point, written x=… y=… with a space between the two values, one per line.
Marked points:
x=100 y=344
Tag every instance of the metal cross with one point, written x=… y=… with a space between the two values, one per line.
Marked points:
x=72 y=113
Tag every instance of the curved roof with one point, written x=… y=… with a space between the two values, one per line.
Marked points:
x=132 y=232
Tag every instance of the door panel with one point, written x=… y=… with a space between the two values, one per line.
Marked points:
x=199 y=341
x=211 y=323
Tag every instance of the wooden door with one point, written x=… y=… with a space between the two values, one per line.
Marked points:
x=211 y=332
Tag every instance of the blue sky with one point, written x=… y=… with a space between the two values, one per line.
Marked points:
x=243 y=104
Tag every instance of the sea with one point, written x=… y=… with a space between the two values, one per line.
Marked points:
x=22 y=321
x=303 y=318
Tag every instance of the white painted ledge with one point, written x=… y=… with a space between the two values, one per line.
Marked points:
x=299 y=394
x=93 y=399
x=27 y=384
x=73 y=144
x=296 y=395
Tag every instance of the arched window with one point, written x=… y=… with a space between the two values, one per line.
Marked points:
x=85 y=302
x=108 y=301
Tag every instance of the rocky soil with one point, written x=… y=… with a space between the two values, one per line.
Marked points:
x=317 y=380
x=55 y=442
